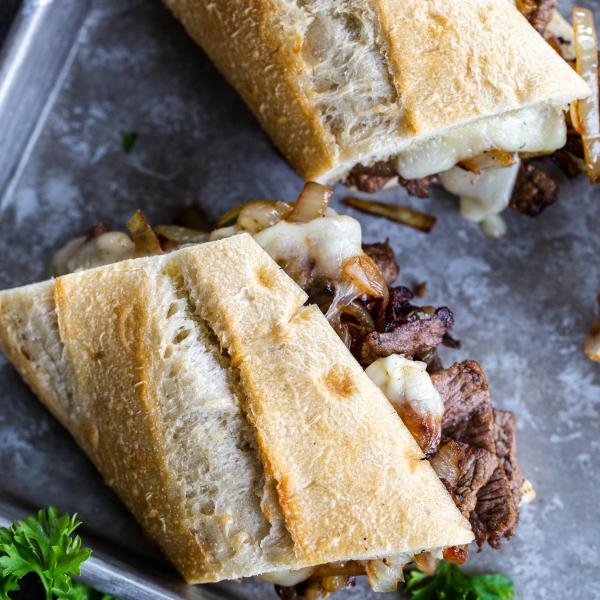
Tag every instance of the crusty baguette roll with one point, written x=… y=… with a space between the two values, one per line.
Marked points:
x=228 y=416
x=336 y=83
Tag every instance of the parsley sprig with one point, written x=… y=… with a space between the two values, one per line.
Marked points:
x=46 y=546
x=450 y=583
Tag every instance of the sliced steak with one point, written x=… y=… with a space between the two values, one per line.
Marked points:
x=375 y=177
x=372 y=178
x=488 y=479
x=468 y=414
x=566 y=163
x=505 y=433
x=496 y=514
x=385 y=259
x=535 y=190
x=421 y=187
x=413 y=334
x=464 y=470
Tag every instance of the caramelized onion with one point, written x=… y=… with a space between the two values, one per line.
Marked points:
x=456 y=554
x=393 y=212
x=585 y=113
x=257 y=215
x=426 y=562
x=311 y=203
x=492 y=159
x=144 y=238
x=446 y=463
x=385 y=574
x=231 y=215
x=177 y=235
x=365 y=276
x=335 y=583
x=358 y=311
x=339 y=569
x=426 y=429
x=592 y=342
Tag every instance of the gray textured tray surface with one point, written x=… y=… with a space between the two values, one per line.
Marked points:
x=522 y=304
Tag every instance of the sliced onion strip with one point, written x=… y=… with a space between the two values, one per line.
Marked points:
x=358 y=311
x=143 y=236
x=365 y=276
x=393 y=212
x=257 y=215
x=176 y=234
x=231 y=215
x=311 y=203
x=492 y=159
x=586 y=113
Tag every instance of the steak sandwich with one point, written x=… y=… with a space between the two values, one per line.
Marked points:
x=266 y=401
x=368 y=91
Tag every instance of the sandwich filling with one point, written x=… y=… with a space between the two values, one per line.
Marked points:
x=449 y=412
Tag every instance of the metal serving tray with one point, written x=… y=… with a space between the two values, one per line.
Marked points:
x=74 y=75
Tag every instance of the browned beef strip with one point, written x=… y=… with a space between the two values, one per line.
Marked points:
x=537 y=12
x=535 y=190
x=505 y=433
x=468 y=414
x=385 y=259
x=476 y=468
x=488 y=469
x=421 y=187
x=566 y=163
x=496 y=514
x=415 y=333
x=372 y=178
x=574 y=143
x=464 y=470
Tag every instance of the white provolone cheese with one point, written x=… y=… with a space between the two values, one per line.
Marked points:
x=83 y=253
x=287 y=578
x=406 y=381
x=327 y=242
x=321 y=245
x=482 y=195
x=525 y=130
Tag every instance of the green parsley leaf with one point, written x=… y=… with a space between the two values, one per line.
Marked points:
x=44 y=545
x=128 y=138
x=450 y=583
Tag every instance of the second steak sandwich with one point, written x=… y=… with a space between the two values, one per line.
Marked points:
x=369 y=90
x=235 y=422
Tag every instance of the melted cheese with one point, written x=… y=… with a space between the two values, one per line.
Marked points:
x=321 y=245
x=525 y=130
x=406 y=381
x=287 y=578
x=483 y=196
x=83 y=253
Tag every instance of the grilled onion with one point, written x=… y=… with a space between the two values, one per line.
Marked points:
x=311 y=203
x=385 y=574
x=446 y=463
x=257 y=215
x=142 y=234
x=393 y=212
x=426 y=562
x=492 y=159
x=365 y=276
x=231 y=215
x=358 y=311
x=585 y=113
x=592 y=343
x=177 y=235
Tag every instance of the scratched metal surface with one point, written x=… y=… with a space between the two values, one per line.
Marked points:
x=522 y=304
